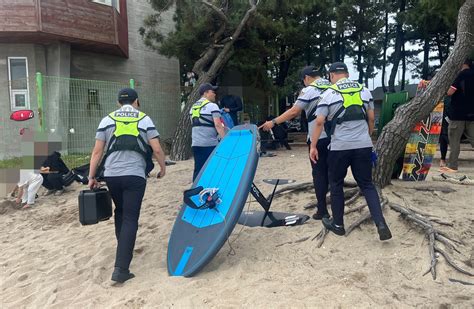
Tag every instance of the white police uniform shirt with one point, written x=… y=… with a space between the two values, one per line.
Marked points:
x=349 y=134
x=205 y=136
x=126 y=162
x=305 y=100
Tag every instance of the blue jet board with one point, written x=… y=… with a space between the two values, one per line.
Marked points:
x=198 y=234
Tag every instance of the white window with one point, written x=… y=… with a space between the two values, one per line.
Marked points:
x=18 y=82
x=113 y=3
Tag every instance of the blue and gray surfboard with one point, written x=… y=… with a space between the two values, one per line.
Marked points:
x=221 y=188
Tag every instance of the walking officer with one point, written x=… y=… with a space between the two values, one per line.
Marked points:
x=349 y=109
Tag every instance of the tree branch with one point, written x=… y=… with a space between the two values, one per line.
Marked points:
x=218 y=11
x=226 y=52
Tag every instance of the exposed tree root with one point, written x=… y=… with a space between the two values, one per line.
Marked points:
x=293 y=188
x=350 y=195
x=365 y=215
x=353 y=198
x=324 y=231
x=425 y=221
x=320 y=237
x=434 y=189
x=309 y=186
x=294 y=242
x=435 y=236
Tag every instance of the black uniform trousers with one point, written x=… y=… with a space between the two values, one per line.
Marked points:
x=361 y=165
x=127 y=193
x=320 y=174
x=200 y=157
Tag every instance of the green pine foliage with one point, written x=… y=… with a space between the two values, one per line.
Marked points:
x=286 y=35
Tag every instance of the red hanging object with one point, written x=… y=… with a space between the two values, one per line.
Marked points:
x=22 y=115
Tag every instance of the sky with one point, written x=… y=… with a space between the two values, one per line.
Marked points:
x=377 y=80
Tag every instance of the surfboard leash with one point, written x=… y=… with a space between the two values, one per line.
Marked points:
x=232 y=250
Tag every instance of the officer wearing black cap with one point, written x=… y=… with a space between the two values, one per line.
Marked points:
x=348 y=107
x=126 y=134
x=308 y=101
x=207 y=126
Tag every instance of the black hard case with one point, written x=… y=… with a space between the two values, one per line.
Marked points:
x=94 y=206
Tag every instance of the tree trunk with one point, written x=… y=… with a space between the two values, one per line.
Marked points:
x=426 y=59
x=360 y=67
x=214 y=59
x=338 y=51
x=283 y=66
x=404 y=67
x=399 y=40
x=342 y=47
x=385 y=46
x=440 y=49
x=395 y=134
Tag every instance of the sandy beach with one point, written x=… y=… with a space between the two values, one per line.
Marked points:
x=48 y=260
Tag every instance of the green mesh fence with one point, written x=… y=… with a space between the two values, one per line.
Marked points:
x=72 y=109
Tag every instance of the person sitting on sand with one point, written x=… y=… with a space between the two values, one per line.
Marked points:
x=53 y=169
x=28 y=186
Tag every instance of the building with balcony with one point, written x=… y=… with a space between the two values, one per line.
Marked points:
x=72 y=41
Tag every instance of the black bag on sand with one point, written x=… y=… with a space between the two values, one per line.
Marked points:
x=81 y=174
x=68 y=178
x=94 y=206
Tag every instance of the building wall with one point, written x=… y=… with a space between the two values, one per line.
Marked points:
x=157 y=81
x=18 y=14
x=86 y=24
x=151 y=71
x=10 y=130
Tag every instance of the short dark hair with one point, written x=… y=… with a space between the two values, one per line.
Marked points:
x=125 y=102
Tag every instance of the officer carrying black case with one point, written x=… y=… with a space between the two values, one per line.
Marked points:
x=94 y=206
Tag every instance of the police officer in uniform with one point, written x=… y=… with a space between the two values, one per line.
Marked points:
x=349 y=109
x=125 y=134
x=208 y=128
x=308 y=101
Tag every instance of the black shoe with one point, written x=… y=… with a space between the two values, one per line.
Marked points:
x=319 y=216
x=384 y=231
x=336 y=229
x=121 y=275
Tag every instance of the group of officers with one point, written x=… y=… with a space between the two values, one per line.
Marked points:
x=340 y=116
